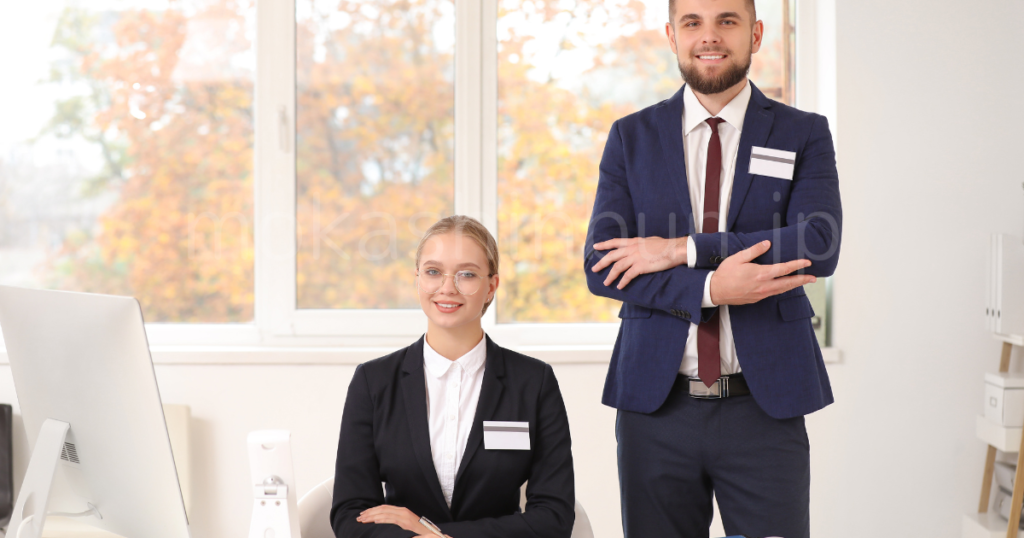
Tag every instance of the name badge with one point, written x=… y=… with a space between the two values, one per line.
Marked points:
x=506 y=435
x=772 y=162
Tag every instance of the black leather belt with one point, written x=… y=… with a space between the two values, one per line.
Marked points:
x=726 y=386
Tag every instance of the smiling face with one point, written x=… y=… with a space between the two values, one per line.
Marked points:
x=714 y=41
x=450 y=254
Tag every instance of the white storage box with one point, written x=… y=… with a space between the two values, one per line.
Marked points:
x=1004 y=399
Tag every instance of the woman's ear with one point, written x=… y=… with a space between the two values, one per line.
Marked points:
x=493 y=287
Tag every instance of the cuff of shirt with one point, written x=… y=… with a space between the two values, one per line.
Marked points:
x=691 y=254
x=706 y=302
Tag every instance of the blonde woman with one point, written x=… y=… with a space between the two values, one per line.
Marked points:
x=454 y=424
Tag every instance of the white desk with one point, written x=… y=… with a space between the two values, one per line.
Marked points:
x=61 y=527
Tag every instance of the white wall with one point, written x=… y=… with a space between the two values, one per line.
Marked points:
x=930 y=142
x=930 y=145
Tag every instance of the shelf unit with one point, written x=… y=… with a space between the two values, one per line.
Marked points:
x=984 y=523
x=1004 y=439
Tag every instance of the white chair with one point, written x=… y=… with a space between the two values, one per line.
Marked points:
x=581 y=528
x=315 y=509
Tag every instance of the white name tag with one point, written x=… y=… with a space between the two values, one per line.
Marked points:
x=772 y=162
x=506 y=435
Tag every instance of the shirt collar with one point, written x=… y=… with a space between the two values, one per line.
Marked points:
x=472 y=361
x=695 y=114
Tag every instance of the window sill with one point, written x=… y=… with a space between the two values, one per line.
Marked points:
x=351 y=356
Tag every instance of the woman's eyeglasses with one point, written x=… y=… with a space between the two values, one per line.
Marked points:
x=430 y=281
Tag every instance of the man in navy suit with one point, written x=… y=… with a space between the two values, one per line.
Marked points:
x=716 y=362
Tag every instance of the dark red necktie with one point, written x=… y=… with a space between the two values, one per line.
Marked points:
x=709 y=359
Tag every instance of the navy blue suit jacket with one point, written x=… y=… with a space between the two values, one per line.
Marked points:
x=642 y=192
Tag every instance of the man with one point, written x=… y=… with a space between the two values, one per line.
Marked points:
x=713 y=209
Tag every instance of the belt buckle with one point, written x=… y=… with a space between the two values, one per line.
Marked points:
x=718 y=390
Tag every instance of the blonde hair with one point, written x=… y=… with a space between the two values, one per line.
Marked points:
x=470 y=227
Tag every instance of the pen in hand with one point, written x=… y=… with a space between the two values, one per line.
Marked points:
x=431 y=527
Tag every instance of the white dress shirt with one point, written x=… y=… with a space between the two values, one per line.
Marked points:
x=453 y=390
x=696 y=135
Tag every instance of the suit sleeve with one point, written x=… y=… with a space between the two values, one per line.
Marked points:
x=550 y=491
x=680 y=289
x=814 y=215
x=357 y=483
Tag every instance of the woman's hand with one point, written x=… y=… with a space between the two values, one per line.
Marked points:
x=395 y=515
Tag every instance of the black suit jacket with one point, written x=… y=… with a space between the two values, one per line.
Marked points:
x=385 y=438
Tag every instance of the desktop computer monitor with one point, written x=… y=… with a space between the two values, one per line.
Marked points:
x=92 y=413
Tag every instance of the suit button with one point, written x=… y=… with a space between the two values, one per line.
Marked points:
x=717 y=259
x=686 y=315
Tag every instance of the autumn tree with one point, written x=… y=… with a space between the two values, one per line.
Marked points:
x=165 y=97
x=172 y=120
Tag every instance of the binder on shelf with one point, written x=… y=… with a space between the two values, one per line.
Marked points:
x=1002 y=505
x=990 y=283
x=1004 y=309
x=1005 y=474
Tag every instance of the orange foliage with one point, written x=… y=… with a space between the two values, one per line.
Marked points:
x=375 y=150
x=179 y=155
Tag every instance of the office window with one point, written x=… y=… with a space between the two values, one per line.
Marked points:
x=773 y=67
x=126 y=153
x=566 y=71
x=375 y=146
x=128 y=147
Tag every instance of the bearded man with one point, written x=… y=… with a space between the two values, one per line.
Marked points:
x=713 y=209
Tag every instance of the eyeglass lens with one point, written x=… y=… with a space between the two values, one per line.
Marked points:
x=467 y=283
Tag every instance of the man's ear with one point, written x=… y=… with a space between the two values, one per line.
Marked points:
x=757 y=36
x=670 y=33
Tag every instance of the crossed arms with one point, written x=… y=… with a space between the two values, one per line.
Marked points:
x=657 y=273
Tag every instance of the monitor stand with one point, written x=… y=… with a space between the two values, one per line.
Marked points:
x=33 y=499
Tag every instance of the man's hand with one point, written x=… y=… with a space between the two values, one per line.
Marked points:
x=638 y=256
x=394 y=515
x=740 y=281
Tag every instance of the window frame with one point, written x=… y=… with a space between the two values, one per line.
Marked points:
x=277 y=321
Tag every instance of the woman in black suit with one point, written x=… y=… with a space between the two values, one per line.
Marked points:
x=454 y=424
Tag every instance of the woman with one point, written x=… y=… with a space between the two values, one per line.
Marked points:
x=420 y=419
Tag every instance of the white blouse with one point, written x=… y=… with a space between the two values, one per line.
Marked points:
x=453 y=390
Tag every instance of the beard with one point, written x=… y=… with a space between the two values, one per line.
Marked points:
x=710 y=85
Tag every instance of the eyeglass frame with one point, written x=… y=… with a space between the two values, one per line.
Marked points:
x=455 y=278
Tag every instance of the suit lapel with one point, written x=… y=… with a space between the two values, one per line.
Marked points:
x=414 y=392
x=490 y=394
x=756 y=126
x=670 y=130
